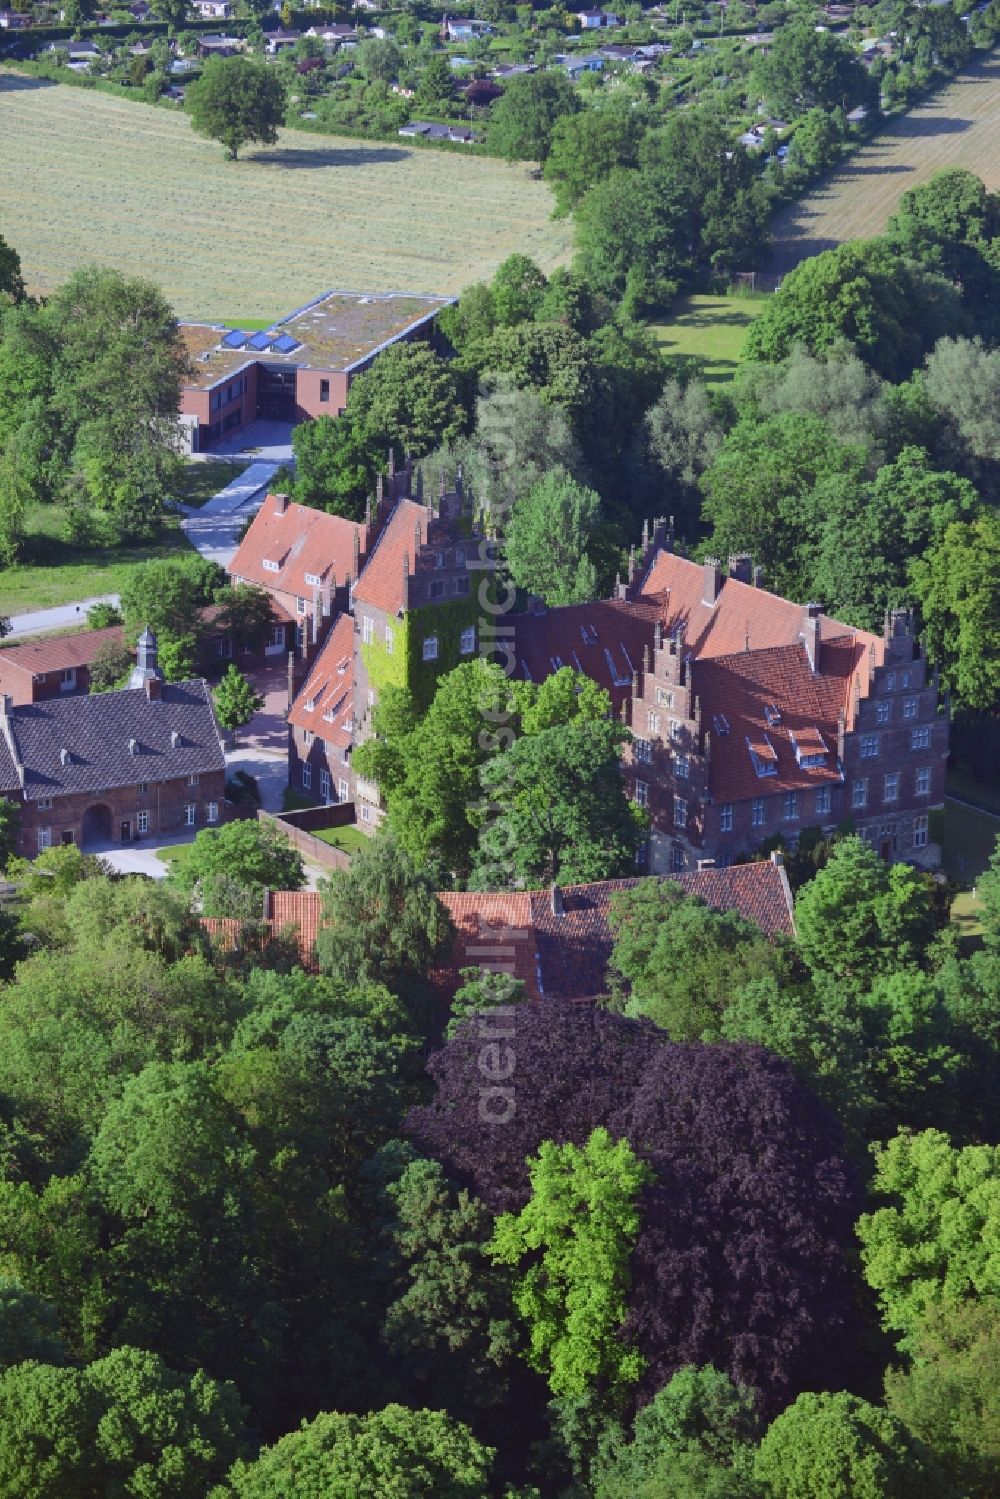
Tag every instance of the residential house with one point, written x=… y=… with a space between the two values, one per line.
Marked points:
x=42 y=669
x=596 y=20
x=113 y=766
x=14 y=20
x=428 y=131
x=214 y=10
x=321 y=721
x=213 y=44
x=465 y=30
x=577 y=66
x=280 y=40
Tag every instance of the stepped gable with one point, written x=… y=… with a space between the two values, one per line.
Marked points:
x=381 y=582
x=325 y=703
x=604 y=640
x=295 y=549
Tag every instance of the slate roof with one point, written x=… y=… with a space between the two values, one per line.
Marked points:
x=605 y=640
x=330 y=688
x=96 y=731
x=300 y=541
x=381 y=580
x=39 y=657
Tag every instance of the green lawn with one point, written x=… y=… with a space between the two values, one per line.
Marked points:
x=203 y=479
x=709 y=333
x=969 y=840
x=55 y=571
x=984 y=793
x=348 y=839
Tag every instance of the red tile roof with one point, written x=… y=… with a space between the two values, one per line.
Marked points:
x=381 y=581
x=517 y=932
x=605 y=640
x=299 y=541
x=329 y=687
x=60 y=654
x=773 y=701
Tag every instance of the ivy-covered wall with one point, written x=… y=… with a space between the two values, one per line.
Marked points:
x=405 y=666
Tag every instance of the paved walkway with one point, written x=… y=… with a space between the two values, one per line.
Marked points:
x=270 y=441
x=57 y=618
x=214 y=529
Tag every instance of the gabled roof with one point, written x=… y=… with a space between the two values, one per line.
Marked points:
x=72 y=744
x=38 y=657
x=297 y=542
x=604 y=640
x=740 y=612
x=775 y=703
x=329 y=687
x=381 y=580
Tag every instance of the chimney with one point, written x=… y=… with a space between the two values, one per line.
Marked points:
x=391 y=470
x=706 y=863
x=777 y=857
x=810 y=634
x=741 y=567
x=280 y=503
x=133 y=746
x=154 y=689
x=711 y=581
x=556 y=901
x=758 y=577
x=64 y=756
x=175 y=739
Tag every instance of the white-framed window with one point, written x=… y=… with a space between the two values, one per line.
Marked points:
x=869 y=746
x=190 y=814
x=890 y=787
x=642 y=793
x=277 y=636
x=342 y=791
x=324 y=783
x=300 y=636
x=680 y=812
x=307 y=737
x=890 y=682
x=682 y=765
x=823 y=801
x=142 y=822
x=211 y=811
x=44 y=803
x=910 y=705
x=192 y=779
x=757 y=812
x=924 y=781
x=665 y=697
x=643 y=750
x=652 y=723
x=859 y=793
x=143 y=788
x=920 y=832
x=726 y=818
x=367 y=630
x=365 y=812
x=390 y=640
x=905 y=680
x=921 y=738
x=430 y=648
x=44 y=838
x=883 y=712
x=301 y=606
x=67 y=679
x=790 y=806
x=370 y=697
x=468 y=642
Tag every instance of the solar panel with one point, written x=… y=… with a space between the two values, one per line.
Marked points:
x=285 y=343
x=259 y=341
x=234 y=340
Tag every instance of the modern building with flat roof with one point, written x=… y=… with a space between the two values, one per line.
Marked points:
x=300 y=367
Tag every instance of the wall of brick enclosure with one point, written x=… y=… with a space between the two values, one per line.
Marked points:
x=299 y=828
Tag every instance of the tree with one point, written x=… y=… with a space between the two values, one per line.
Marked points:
x=579 y=1227
x=380 y=58
x=562 y=813
x=397 y=1453
x=806 y=68
x=546 y=540
x=407 y=397
x=951 y=225
x=246 y=616
x=949 y=1395
x=584 y=147
x=860 y=917
x=957 y=586
x=482 y=990
x=10 y=827
x=932 y=1247
x=436 y=88
x=891 y=310
x=680 y=436
x=835 y=385
x=111 y=666
x=236 y=701
x=677 y=962
x=48 y=1420
x=517 y=291
x=523 y=118
x=841 y=1447
x=545 y=357
x=695 y=1439
x=988 y=894
x=517 y=439
x=29 y=1327
x=168 y=595
x=788 y=1219
x=237 y=100
x=382 y=921
x=334 y=466
x=11 y=284
x=231 y=867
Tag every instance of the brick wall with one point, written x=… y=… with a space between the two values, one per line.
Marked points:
x=84 y=817
x=296 y=827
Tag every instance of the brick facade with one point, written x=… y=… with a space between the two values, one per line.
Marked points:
x=123 y=814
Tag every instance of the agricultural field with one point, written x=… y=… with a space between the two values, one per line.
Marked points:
x=89 y=177
x=708 y=333
x=959 y=127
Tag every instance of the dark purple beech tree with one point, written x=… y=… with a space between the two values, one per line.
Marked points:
x=747 y=1235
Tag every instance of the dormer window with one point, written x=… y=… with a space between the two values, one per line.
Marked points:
x=619 y=677
x=313 y=579
x=772 y=714
x=270 y=566
x=556 y=663
x=310 y=705
x=720 y=723
x=588 y=634
x=763 y=756
x=810 y=748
